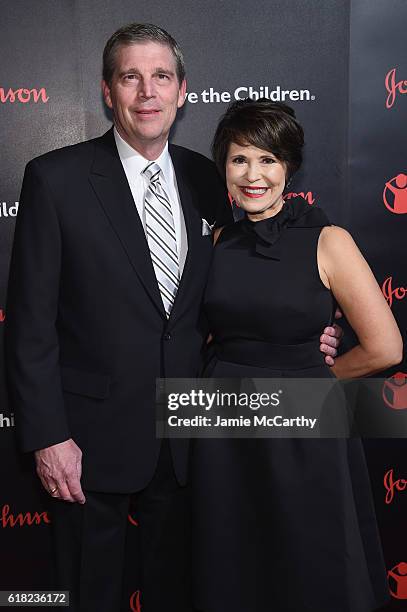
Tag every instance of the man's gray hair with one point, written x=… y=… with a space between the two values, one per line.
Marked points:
x=134 y=33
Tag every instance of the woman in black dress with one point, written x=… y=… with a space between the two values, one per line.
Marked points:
x=285 y=525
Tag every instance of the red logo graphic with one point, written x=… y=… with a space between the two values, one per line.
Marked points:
x=393 y=88
x=2 y=316
x=9 y=520
x=395 y=194
x=394 y=391
x=397 y=578
x=399 y=293
x=23 y=95
x=132 y=520
x=135 y=604
x=309 y=197
x=392 y=485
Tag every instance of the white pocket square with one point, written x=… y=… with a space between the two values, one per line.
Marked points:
x=207 y=228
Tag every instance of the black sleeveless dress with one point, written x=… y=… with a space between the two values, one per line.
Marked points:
x=281 y=525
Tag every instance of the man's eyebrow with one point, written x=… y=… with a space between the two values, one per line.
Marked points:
x=164 y=71
x=157 y=70
x=129 y=70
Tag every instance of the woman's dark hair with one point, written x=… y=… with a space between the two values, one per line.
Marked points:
x=270 y=126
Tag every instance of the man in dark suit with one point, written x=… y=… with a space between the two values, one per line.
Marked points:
x=107 y=275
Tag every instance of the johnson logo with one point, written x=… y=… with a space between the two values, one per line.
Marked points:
x=397 y=578
x=393 y=87
x=308 y=196
x=19 y=520
x=135 y=605
x=392 y=485
x=6 y=421
x=23 y=95
x=394 y=391
x=393 y=293
x=395 y=194
x=8 y=211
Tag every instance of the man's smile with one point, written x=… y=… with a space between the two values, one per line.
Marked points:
x=147 y=113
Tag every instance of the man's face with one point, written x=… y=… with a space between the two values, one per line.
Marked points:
x=144 y=94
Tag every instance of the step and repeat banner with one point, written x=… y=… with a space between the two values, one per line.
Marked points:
x=341 y=64
x=377 y=218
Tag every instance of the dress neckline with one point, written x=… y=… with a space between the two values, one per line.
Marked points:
x=295 y=212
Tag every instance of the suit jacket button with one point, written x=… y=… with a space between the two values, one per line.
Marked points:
x=167 y=336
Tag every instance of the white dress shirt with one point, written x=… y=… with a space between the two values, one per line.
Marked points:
x=134 y=164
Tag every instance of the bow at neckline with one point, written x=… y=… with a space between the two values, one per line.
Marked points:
x=296 y=212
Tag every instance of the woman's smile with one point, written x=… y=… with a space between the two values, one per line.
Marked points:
x=253 y=192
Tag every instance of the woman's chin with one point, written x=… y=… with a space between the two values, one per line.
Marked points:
x=266 y=209
x=253 y=207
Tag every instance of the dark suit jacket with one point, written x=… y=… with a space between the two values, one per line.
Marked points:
x=86 y=332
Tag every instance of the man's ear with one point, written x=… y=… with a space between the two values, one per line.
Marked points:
x=106 y=94
x=182 y=93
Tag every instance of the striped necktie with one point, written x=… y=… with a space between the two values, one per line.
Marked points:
x=161 y=237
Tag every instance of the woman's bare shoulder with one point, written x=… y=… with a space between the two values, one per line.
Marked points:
x=334 y=238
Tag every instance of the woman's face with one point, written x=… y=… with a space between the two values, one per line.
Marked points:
x=255 y=180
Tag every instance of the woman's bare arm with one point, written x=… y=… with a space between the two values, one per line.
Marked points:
x=346 y=273
x=216 y=234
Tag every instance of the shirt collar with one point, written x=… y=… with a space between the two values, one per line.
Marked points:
x=133 y=160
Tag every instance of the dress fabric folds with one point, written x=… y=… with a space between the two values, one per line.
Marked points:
x=281 y=525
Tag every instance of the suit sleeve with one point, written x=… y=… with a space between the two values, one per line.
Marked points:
x=31 y=339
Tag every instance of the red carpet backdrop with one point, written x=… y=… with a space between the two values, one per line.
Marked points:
x=342 y=64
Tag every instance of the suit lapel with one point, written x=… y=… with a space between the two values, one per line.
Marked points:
x=110 y=184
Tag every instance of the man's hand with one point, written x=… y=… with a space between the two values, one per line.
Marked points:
x=59 y=468
x=330 y=340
